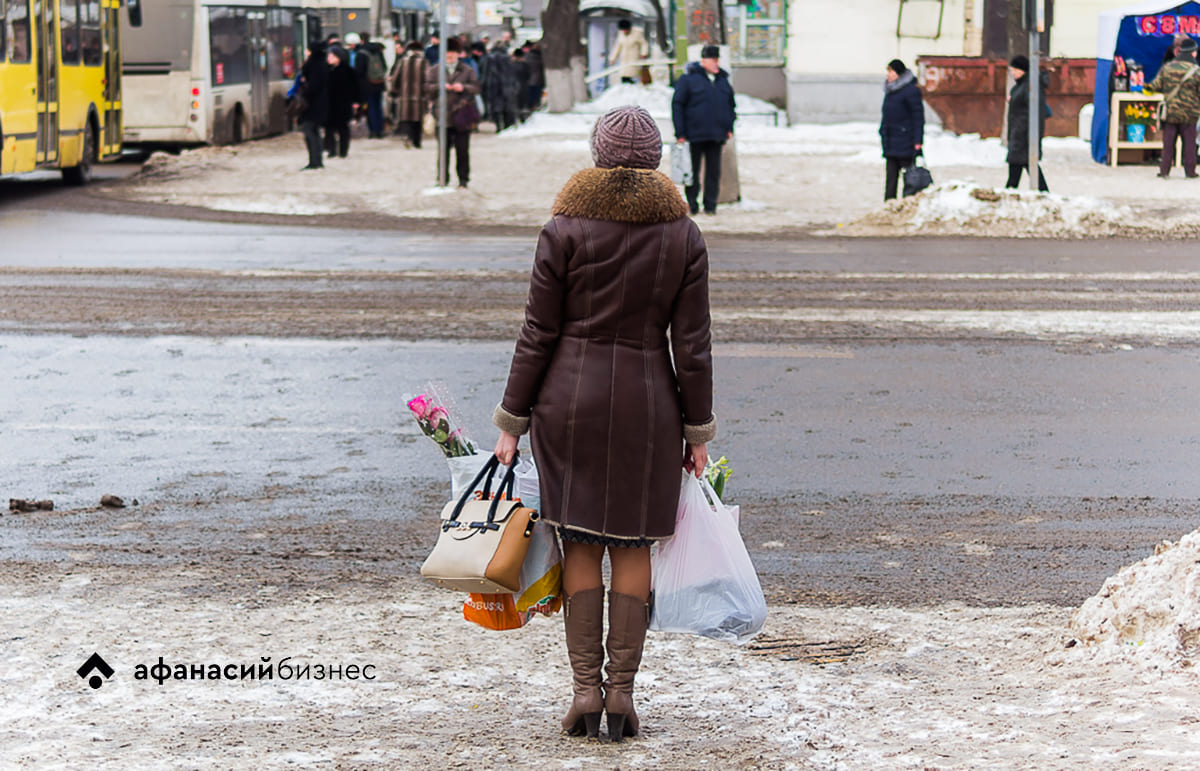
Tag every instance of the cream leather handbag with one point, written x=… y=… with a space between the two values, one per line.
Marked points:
x=483 y=538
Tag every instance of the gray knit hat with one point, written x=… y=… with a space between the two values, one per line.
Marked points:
x=626 y=136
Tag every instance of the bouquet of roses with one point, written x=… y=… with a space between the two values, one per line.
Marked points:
x=432 y=414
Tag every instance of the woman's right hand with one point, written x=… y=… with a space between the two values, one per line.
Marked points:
x=695 y=458
x=506 y=447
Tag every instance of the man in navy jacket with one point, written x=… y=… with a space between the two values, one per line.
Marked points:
x=703 y=112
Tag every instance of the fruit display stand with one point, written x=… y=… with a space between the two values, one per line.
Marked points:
x=1120 y=149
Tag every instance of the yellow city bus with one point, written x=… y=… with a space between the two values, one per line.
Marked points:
x=60 y=84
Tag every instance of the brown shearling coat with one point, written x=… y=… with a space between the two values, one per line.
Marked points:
x=408 y=86
x=619 y=271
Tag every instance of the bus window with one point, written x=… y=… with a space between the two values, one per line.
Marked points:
x=230 y=44
x=68 y=22
x=90 y=39
x=17 y=16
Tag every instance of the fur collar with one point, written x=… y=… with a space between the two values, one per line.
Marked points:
x=621 y=195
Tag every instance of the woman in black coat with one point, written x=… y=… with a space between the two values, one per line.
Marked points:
x=1018 y=122
x=343 y=95
x=902 y=129
x=314 y=90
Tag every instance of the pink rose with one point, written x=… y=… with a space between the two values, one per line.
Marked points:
x=436 y=416
x=419 y=406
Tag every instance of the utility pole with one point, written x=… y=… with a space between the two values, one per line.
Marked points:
x=1035 y=20
x=443 y=173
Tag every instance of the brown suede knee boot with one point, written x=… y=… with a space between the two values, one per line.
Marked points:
x=628 y=618
x=583 y=617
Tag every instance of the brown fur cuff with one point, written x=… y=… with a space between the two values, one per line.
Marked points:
x=508 y=422
x=702 y=433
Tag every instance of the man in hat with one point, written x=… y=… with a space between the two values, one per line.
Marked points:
x=1179 y=83
x=461 y=115
x=703 y=112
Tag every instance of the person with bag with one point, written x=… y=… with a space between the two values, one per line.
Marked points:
x=462 y=115
x=1018 y=122
x=703 y=112
x=628 y=51
x=1179 y=82
x=902 y=127
x=612 y=378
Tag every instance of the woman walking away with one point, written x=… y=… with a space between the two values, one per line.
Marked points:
x=314 y=90
x=612 y=377
x=1018 y=122
x=902 y=128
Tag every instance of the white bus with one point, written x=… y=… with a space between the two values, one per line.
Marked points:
x=206 y=72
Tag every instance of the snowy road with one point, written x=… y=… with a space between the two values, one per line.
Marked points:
x=939 y=448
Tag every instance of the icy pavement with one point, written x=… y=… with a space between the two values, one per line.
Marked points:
x=942 y=687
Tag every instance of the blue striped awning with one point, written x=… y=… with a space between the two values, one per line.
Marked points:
x=410 y=5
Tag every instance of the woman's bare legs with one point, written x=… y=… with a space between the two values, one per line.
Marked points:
x=581 y=567
x=630 y=571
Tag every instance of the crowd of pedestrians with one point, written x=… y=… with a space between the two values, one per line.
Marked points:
x=346 y=82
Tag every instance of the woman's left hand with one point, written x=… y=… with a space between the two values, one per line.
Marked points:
x=506 y=447
x=695 y=458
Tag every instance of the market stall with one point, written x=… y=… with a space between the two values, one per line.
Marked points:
x=1130 y=46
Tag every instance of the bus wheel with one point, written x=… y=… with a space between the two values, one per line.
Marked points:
x=237 y=133
x=82 y=174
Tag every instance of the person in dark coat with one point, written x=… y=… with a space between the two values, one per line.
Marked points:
x=902 y=128
x=537 y=74
x=343 y=95
x=461 y=88
x=499 y=84
x=362 y=49
x=522 y=75
x=314 y=90
x=1018 y=122
x=612 y=378
x=703 y=112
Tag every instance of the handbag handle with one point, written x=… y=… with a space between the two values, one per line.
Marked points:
x=489 y=471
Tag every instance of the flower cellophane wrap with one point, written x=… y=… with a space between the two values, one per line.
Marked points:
x=435 y=412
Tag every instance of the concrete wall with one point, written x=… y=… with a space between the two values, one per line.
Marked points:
x=762 y=82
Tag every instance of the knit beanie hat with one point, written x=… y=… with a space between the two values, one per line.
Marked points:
x=1020 y=62
x=626 y=136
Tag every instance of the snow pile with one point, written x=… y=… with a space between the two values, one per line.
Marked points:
x=958 y=207
x=1150 y=609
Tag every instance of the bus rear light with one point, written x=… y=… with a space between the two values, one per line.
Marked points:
x=195 y=105
x=193 y=117
x=195 y=91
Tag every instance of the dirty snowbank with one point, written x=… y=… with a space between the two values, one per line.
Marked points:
x=941 y=687
x=1149 y=612
x=958 y=207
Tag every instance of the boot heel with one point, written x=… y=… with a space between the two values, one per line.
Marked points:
x=592 y=722
x=616 y=727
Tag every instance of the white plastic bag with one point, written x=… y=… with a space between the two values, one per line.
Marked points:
x=681 y=163
x=704 y=582
x=464 y=468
